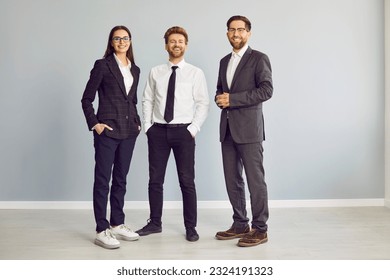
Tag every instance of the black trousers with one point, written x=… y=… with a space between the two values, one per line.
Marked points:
x=112 y=157
x=161 y=140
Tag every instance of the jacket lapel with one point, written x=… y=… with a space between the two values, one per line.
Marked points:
x=114 y=68
x=133 y=88
x=224 y=66
x=242 y=63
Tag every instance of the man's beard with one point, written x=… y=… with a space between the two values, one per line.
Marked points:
x=175 y=54
x=237 y=45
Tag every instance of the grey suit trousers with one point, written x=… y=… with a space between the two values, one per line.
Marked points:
x=249 y=157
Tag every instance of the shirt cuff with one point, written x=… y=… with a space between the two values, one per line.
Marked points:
x=147 y=126
x=192 y=129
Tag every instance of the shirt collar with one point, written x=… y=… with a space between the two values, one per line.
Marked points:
x=242 y=51
x=181 y=64
x=120 y=64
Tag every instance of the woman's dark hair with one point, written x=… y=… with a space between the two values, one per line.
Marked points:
x=248 y=24
x=110 y=49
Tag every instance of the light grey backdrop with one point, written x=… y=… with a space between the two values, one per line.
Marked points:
x=324 y=125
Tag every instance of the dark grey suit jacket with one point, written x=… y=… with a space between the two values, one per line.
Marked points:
x=116 y=108
x=251 y=86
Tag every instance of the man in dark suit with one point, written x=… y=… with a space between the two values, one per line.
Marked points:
x=244 y=83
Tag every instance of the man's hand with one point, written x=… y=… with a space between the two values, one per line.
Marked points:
x=222 y=100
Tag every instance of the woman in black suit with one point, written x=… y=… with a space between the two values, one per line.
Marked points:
x=115 y=127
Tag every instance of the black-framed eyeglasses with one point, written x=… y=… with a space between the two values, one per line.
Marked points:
x=239 y=30
x=118 y=39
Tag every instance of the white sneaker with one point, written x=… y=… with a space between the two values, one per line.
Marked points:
x=107 y=240
x=124 y=232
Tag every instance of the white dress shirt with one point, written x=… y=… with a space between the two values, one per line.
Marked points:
x=191 y=96
x=233 y=63
x=125 y=70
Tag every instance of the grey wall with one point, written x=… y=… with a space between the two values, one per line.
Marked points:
x=324 y=125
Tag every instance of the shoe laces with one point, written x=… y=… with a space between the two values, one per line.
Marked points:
x=149 y=223
x=124 y=227
x=108 y=233
x=249 y=234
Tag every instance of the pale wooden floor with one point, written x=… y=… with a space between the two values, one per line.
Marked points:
x=355 y=233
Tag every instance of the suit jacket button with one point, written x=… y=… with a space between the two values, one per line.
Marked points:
x=127 y=117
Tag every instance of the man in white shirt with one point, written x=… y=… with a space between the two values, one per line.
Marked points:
x=180 y=87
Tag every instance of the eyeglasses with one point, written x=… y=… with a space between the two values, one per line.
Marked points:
x=239 y=30
x=118 y=39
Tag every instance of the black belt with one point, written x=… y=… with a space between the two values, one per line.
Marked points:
x=167 y=125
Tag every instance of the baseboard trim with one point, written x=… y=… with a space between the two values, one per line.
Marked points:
x=201 y=204
x=387 y=203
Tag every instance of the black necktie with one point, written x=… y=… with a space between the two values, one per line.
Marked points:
x=168 y=114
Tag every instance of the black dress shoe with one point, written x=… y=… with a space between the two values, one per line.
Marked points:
x=191 y=234
x=149 y=229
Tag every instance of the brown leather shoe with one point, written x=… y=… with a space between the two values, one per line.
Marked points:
x=232 y=233
x=253 y=238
